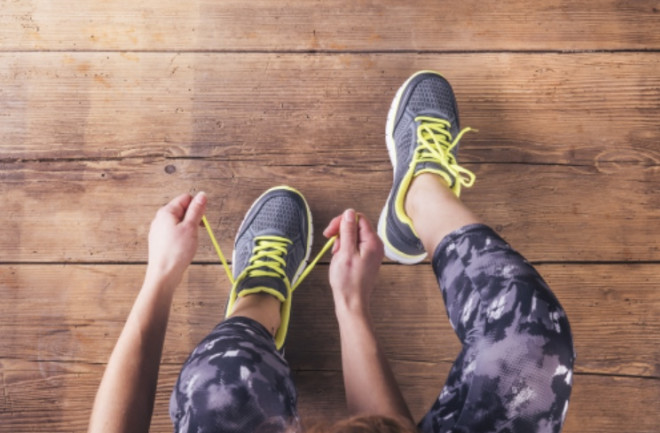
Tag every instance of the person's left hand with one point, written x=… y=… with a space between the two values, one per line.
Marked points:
x=173 y=238
x=356 y=258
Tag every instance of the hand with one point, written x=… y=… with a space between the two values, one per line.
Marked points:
x=173 y=238
x=356 y=257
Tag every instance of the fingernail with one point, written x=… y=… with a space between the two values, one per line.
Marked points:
x=200 y=197
x=349 y=215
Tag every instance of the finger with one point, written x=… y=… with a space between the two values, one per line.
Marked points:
x=177 y=206
x=333 y=227
x=335 y=246
x=196 y=209
x=348 y=232
x=368 y=238
x=365 y=229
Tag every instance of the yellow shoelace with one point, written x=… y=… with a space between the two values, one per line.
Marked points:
x=268 y=247
x=268 y=253
x=435 y=145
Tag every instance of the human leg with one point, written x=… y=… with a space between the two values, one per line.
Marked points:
x=435 y=210
x=514 y=372
x=261 y=307
x=237 y=380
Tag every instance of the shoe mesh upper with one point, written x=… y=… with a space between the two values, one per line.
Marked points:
x=432 y=96
x=435 y=94
x=279 y=214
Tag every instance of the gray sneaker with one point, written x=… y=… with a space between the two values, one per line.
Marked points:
x=422 y=135
x=271 y=250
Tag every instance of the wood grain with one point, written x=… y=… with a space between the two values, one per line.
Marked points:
x=57 y=397
x=583 y=109
x=108 y=109
x=336 y=25
x=75 y=313
x=99 y=211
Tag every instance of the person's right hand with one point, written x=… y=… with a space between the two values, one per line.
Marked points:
x=356 y=258
x=173 y=238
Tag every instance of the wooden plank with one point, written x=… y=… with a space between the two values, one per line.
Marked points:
x=338 y=25
x=93 y=142
x=582 y=109
x=91 y=211
x=57 y=313
x=56 y=397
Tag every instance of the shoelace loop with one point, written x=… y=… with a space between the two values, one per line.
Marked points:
x=271 y=247
x=267 y=258
x=435 y=145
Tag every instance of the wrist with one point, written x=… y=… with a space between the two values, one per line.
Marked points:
x=355 y=322
x=160 y=280
x=350 y=308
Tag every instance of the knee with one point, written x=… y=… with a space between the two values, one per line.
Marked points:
x=528 y=318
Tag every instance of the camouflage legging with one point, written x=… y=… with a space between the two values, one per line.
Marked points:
x=513 y=374
x=234 y=381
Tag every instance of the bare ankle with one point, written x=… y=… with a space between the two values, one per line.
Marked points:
x=418 y=193
x=261 y=307
x=434 y=210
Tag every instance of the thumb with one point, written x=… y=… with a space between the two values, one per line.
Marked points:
x=196 y=209
x=348 y=232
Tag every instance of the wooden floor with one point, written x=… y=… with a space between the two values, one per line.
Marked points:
x=108 y=109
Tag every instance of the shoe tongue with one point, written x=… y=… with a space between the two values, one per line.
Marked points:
x=270 y=282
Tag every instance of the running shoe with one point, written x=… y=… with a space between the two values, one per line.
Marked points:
x=422 y=135
x=271 y=250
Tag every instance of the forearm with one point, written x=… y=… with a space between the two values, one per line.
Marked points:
x=368 y=380
x=124 y=401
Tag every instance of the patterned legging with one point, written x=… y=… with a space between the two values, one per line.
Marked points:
x=514 y=373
